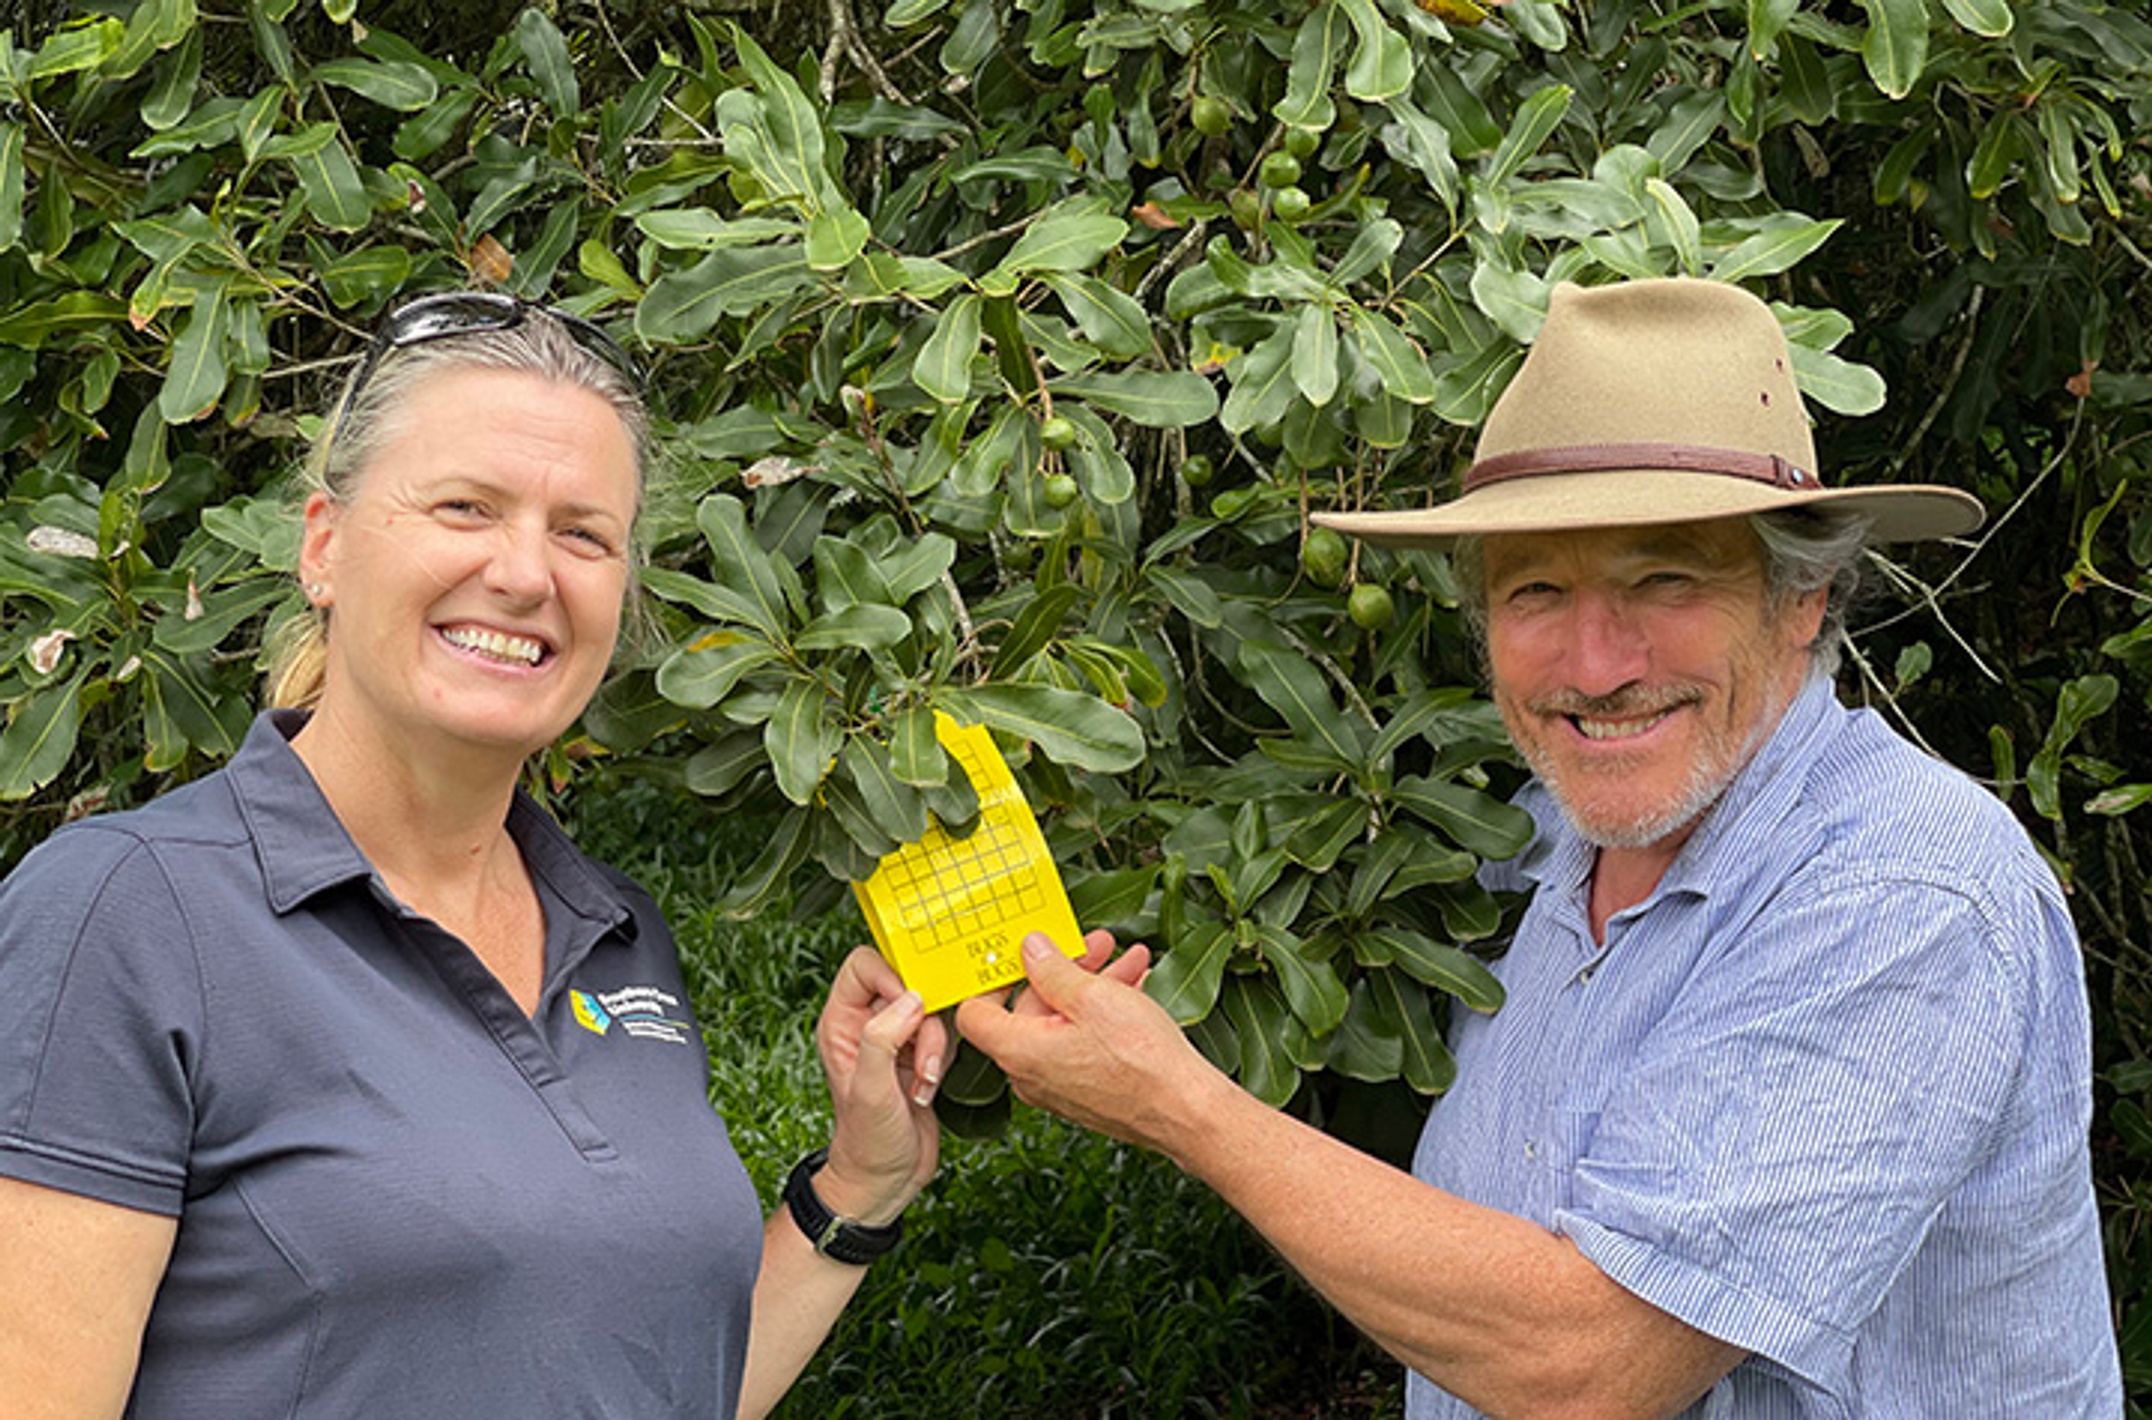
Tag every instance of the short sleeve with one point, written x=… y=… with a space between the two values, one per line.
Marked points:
x=100 y=1016
x=1797 y=1122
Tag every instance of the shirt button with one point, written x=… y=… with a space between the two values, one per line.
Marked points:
x=1584 y=977
x=1531 y=1148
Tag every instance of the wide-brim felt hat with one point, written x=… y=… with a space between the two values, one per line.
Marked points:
x=1657 y=401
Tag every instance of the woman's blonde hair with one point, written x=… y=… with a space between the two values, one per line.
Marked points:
x=364 y=418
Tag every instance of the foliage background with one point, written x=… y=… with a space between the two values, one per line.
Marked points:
x=1002 y=346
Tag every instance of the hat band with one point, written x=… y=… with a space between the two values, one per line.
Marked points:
x=1605 y=458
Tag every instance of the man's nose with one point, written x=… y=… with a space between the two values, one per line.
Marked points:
x=1608 y=649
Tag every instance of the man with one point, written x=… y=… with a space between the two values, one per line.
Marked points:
x=1786 y=1112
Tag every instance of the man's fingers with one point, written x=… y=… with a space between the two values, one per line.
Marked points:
x=1130 y=967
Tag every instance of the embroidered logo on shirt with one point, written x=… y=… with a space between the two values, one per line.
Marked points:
x=588 y=1013
x=641 y=1011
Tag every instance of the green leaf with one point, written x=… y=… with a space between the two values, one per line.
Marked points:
x=2081 y=701
x=700 y=229
x=1293 y=687
x=1307 y=102
x=222 y=612
x=212 y=723
x=367 y=275
x=1895 y=49
x=1779 y=247
x=1068 y=726
x=1513 y=299
x=1109 y=318
x=1838 y=385
x=701 y=675
x=681 y=306
x=545 y=54
x=1315 y=354
x=1444 y=967
x=800 y=740
x=915 y=752
x=1113 y=898
x=40 y=737
x=11 y=184
x=771 y=872
x=1537 y=117
x=404 y=87
x=1269 y=1033
x=1382 y=66
x=1262 y=383
x=1071 y=237
x=868 y=627
x=1392 y=355
x=1369 y=1044
x=786 y=147
x=74 y=48
x=1185 y=979
x=1766 y=21
x=835 y=236
x=155 y=25
x=1034 y=629
x=1311 y=987
x=715 y=769
x=1188 y=594
x=943 y=366
x=1991 y=19
x=334 y=193
x=1371 y=250
x=741 y=565
x=194 y=380
x=171 y=97
x=1429 y=1066
x=1156 y=399
x=28 y=326
x=1676 y=225
x=896 y=806
x=1476 y=822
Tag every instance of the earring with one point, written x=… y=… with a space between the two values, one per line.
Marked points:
x=313 y=591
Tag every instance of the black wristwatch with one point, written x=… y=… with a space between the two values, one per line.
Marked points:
x=836 y=1238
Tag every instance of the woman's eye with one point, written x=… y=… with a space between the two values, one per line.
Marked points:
x=589 y=540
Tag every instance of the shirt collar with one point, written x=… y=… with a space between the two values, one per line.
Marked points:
x=304 y=849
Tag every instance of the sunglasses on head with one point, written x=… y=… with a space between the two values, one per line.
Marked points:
x=454 y=313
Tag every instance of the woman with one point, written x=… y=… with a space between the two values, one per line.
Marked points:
x=338 y=1082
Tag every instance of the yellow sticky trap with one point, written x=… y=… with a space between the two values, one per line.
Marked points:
x=950 y=914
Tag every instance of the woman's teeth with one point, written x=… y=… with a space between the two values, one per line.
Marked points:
x=495 y=645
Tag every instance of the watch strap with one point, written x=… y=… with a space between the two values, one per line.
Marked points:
x=836 y=1237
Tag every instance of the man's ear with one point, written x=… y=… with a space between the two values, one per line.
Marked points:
x=1804 y=616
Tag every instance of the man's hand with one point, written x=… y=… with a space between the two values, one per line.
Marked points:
x=1084 y=1042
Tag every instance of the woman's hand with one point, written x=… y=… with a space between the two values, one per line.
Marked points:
x=884 y=1057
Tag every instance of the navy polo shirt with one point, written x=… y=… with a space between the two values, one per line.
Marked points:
x=397 y=1194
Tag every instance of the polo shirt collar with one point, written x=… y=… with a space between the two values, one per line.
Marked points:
x=304 y=849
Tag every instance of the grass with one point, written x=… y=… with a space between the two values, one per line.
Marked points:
x=1047 y=1272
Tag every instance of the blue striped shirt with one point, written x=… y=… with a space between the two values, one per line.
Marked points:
x=1824 y=1094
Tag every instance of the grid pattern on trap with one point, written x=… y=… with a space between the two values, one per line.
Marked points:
x=950 y=890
